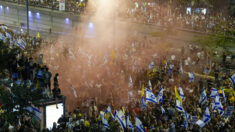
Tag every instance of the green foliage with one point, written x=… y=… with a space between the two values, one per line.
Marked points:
x=14 y=101
x=218 y=39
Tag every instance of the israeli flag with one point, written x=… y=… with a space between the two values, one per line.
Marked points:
x=218 y=105
x=151 y=65
x=179 y=106
x=191 y=77
x=143 y=104
x=115 y=114
x=34 y=111
x=130 y=84
x=8 y=35
x=181 y=93
x=223 y=94
x=213 y=93
x=128 y=122
x=203 y=97
x=20 y=43
x=186 y=117
x=160 y=95
x=109 y=111
x=121 y=119
x=150 y=96
x=150 y=85
x=104 y=121
x=200 y=123
x=206 y=116
x=138 y=124
x=232 y=79
x=163 y=110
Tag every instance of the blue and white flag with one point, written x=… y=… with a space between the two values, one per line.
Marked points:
x=104 y=120
x=213 y=106
x=191 y=77
x=203 y=97
x=179 y=106
x=218 y=105
x=150 y=97
x=160 y=96
x=109 y=111
x=186 y=117
x=121 y=119
x=228 y=111
x=194 y=119
x=115 y=114
x=34 y=111
x=181 y=93
x=138 y=125
x=20 y=43
x=213 y=93
x=143 y=104
x=151 y=65
x=129 y=124
x=163 y=110
x=130 y=83
x=232 y=79
x=150 y=85
x=200 y=123
x=223 y=95
x=206 y=116
x=8 y=35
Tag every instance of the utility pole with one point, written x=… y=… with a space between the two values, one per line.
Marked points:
x=27 y=12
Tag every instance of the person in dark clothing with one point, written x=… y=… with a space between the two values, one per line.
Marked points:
x=56 y=84
x=56 y=92
x=47 y=78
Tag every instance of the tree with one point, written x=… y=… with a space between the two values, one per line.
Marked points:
x=14 y=100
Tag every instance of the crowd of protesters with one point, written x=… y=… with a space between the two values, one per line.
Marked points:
x=19 y=69
x=169 y=69
x=199 y=19
x=23 y=69
x=76 y=6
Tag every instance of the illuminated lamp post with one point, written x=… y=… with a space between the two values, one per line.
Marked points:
x=27 y=12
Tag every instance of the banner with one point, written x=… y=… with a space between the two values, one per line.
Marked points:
x=194 y=119
x=62 y=5
x=229 y=111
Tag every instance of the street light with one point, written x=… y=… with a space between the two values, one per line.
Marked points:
x=27 y=11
